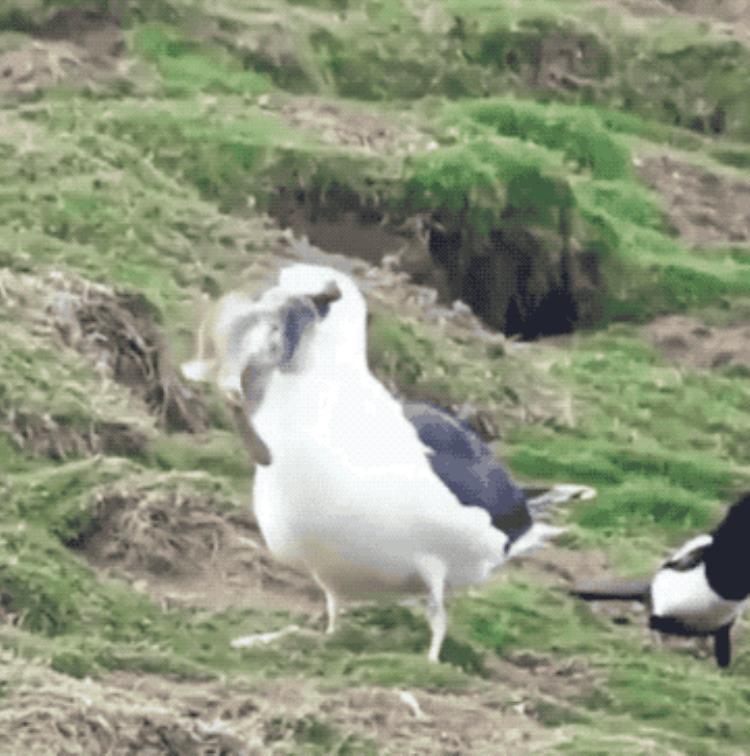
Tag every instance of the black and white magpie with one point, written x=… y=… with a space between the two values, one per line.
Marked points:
x=700 y=590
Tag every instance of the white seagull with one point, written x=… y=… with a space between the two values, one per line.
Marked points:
x=371 y=497
x=700 y=590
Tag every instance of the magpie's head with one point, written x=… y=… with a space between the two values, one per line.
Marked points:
x=728 y=565
x=690 y=555
x=736 y=525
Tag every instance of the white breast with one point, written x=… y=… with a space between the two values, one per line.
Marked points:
x=688 y=597
x=351 y=495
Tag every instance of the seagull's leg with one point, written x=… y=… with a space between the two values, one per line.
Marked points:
x=331 y=606
x=331 y=611
x=433 y=573
x=437 y=619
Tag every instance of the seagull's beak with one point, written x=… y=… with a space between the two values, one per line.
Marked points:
x=330 y=294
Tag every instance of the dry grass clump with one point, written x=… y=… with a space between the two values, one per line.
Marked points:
x=163 y=531
x=48 y=713
x=116 y=331
x=187 y=544
x=80 y=47
x=42 y=435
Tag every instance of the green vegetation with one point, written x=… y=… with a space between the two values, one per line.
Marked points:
x=187 y=67
x=523 y=119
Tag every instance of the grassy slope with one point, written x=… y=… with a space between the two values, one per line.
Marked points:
x=148 y=193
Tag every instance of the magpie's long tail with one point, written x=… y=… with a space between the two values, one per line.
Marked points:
x=615 y=589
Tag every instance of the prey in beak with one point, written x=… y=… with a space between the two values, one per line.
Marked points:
x=243 y=341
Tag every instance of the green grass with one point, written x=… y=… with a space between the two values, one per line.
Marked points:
x=159 y=193
x=188 y=67
x=578 y=133
x=662 y=445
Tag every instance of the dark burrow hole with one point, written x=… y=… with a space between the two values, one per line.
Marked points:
x=520 y=281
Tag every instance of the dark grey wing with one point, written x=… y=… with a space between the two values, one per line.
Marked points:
x=469 y=469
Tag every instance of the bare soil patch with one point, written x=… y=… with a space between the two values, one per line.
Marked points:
x=689 y=341
x=734 y=11
x=357 y=233
x=116 y=330
x=47 y=713
x=731 y=17
x=119 y=332
x=41 y=424
x=82 y=47
x=347 y=126
x=42 y=435
x=705 y=208
x=187 y=548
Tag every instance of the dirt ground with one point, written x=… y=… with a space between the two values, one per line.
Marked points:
x=732 y=17
x=128 y=714
x=117 y=333
x=182 y=549
x=689 y=341
x=705 y=208
x=735 y=11
x=338 y=125
x=78 y=47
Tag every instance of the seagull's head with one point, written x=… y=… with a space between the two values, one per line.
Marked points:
x=275 y=335
x=313 y=280
x=339 y=336
x=244 y=339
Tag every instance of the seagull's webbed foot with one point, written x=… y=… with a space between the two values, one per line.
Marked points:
x=331 y=612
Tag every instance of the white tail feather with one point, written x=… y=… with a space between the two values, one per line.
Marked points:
x=198 y=370
x=533 y=538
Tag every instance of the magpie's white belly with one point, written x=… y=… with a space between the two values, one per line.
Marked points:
x=688 y=597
